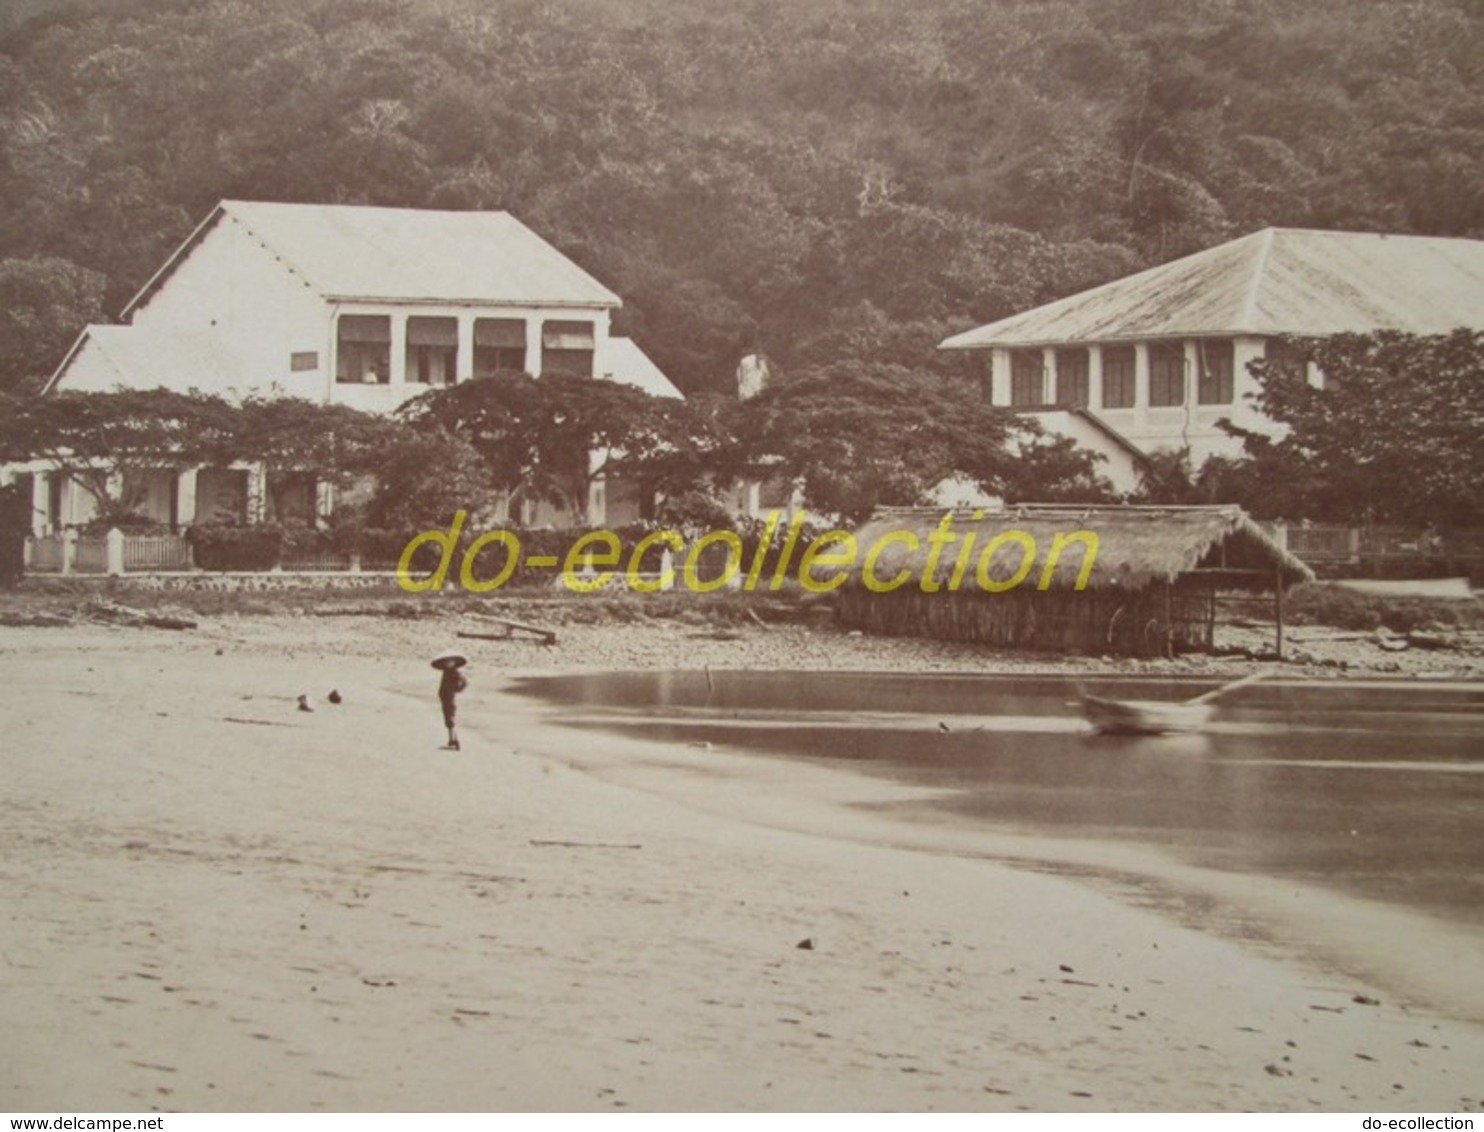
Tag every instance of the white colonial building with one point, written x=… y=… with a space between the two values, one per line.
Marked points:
x=365 y=307
x=1155 y=360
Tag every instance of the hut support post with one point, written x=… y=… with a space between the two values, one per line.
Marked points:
x=1169 y=625
x=1278 y=609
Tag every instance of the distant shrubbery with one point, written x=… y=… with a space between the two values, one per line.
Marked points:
x=1341 y=608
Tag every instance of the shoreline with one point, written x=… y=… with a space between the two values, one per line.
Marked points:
x=221 y=903
x=1409 y=952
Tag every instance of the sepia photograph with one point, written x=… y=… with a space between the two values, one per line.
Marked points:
x=741 y=556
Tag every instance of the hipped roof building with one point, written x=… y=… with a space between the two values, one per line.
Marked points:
x=1156 y=359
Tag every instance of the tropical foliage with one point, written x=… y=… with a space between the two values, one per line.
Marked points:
x=1392 y=433
x=837 y=180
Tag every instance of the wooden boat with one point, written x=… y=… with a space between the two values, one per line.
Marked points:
x=1145 y=717
x=1158 y=717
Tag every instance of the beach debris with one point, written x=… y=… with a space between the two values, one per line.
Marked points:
x=1365 y=1000
x=1065 y=969
x=710 y=683
x=335 y=697
x=305 y=703
x=1424 y=639
x=1277 y=1071
x=805 y=944
x=41 y=619
x=1394 y=644
x=583 y=845
x=112 y=613
x=943 y=727
x=544 y=635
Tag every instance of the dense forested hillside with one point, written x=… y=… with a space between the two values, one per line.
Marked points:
x=828 y=179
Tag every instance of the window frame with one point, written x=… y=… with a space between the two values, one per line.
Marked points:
x=356 y=340
x=1027 y=376
x=1216 y=385
x=1120 y=377
x=1167 y=366
x=492 y=357
x=1081 y=373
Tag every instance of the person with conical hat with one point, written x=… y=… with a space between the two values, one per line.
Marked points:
x=451 y=663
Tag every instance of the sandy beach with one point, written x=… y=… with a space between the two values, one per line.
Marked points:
x=214 y=901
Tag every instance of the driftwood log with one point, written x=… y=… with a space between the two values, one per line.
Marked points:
x=544 y=635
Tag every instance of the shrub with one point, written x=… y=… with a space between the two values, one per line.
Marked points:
x=1348 y=609
x=222 y=546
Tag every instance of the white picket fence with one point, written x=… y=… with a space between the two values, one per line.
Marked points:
x=113 y=553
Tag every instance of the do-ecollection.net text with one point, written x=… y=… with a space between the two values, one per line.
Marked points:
x=953 y=559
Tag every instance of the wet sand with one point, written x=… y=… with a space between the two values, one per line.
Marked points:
x=215 y=901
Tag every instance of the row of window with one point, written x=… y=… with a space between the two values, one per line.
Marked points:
x=1215 y=376
x=363 y=348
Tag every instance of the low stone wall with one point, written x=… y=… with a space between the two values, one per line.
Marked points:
x=201 y=581
x=233 y=582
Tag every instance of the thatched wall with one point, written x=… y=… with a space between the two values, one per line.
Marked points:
x=1145 y=585
x=1137 y=623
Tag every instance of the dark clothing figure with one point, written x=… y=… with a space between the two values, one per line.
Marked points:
x=449 y=687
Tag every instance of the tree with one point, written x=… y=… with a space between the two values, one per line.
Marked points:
x=423 y=477
x=860 y=436
x=553 y=437
x=336 y=444
x=1394 y=434
x=105 y=441
x=45 y=302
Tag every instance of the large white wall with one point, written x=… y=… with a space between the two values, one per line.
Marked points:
x=233 y=295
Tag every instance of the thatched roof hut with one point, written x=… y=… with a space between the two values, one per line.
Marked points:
x=1140 y=580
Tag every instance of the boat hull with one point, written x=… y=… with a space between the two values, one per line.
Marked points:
x=1145 y=717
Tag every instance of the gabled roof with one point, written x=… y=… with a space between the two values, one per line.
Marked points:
x=1277 y=281
x=351 y=252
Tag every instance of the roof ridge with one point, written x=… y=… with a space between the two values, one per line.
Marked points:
x=1118 y=282
x=308 y=204
x=1248 y=315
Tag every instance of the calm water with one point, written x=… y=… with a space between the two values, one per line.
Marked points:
x=1374 y=789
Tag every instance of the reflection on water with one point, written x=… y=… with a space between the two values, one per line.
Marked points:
x=1377 y=789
